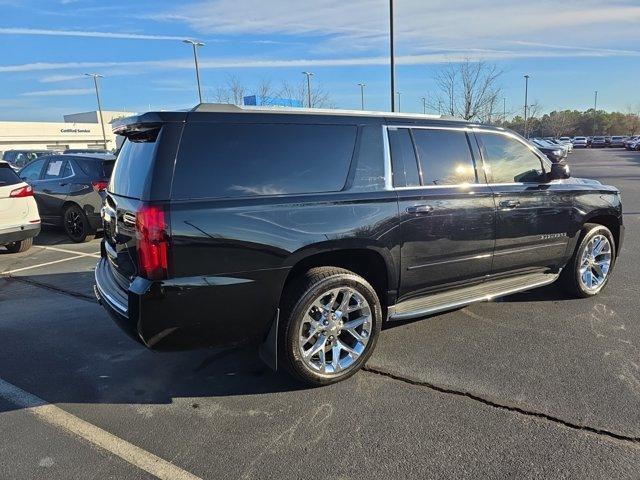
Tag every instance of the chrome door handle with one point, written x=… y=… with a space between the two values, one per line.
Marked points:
x=420 y=209
x=510 y=204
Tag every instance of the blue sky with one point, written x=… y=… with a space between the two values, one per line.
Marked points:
x=569 y=48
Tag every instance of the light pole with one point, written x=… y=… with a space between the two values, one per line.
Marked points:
x=399 y=108
x=526 y=99
x=392 y=57
x=439 y=107
x=309 y=75
x=195 y=44
x=424 y=105
x=595 y=109
x=362 y=85
x=95 y=77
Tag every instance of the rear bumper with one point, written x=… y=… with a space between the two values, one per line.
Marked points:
x=19 y=233
x=212 y=311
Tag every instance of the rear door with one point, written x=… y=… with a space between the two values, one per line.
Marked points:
x=534 y=217
x=447 y=211
x=53 y=188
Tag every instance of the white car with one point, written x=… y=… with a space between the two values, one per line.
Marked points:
x=580 y=142
x=19 y=217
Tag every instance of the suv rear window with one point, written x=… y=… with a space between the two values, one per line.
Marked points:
x=8 y=176
x=236 y=160
x=133 y=168
x=97 y=168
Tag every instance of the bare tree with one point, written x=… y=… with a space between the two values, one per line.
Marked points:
x=298 y=91
x=469 y=89
x=236 y=90
x=557 y=122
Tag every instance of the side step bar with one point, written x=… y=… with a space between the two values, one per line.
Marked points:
x=483 y=292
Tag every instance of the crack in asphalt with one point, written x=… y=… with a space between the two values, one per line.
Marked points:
x=35 y=283
x=500 y=406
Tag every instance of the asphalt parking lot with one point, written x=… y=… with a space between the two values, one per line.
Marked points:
x=533 y=385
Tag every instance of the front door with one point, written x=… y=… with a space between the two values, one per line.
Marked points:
x=535 y=217
x=447 y=215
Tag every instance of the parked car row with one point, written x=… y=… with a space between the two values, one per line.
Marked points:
x=57 y=189
x=21 y=158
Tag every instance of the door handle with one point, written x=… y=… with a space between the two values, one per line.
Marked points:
x=46 y=190
x=510 y=204
x=64 y=184
x=424 y=209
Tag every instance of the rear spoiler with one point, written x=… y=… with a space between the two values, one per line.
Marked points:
x=138 y=124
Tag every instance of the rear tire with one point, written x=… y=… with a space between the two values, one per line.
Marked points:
x=334 y=313
x=21 y=246
x=589 y=270
x=76 y=225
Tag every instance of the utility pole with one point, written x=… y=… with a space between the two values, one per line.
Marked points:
x=309 y=75
x=393 y=61
x=195 y=44
x=95 y=77
x=424 y=105
x=362 y=85
x=526 y=100
x=595 y=109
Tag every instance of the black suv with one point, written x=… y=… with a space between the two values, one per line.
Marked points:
x=306 y=230
x=70 y=190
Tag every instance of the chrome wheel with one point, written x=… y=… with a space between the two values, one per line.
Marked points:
x=595 y=263
x=335 y=331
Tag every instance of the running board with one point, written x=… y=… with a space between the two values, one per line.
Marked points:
x=483 y=292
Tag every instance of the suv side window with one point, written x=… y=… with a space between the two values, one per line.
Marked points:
x=508 y=160
x=236 y=160
x=444 y=157
x=32 y=171
x=403 y=158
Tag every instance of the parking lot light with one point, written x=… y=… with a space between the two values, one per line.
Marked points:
x=95 y=77
x=309 y=75
x=196 y=44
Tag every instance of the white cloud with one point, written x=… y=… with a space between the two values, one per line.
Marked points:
x=59 y=92
x=59 y=78
x=83 y=33
x=358 y=25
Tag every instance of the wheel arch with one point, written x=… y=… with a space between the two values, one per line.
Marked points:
x=612 y=222
x=374 y=264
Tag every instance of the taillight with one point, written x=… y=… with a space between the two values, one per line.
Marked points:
x=153 y=242
x=26 y=191
x=100 y=185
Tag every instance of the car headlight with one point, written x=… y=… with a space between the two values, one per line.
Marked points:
x=557 y=152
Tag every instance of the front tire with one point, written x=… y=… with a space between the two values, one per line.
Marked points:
x=331 y=319
x=76 y=225
x=21 y=246
x=591 y=266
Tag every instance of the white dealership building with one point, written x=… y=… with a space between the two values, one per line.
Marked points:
x=79 y=130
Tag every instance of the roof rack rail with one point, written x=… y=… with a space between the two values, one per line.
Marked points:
x=231 y=108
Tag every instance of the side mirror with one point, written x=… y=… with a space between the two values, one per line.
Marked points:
x=559 y=171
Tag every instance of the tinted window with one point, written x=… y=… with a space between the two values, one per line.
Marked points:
x=509 y=161
x=444 y=156
x=132 y=168
x=97 y=168
x=8 y=176
x=403 y=158
x=32 y=171
x=369 y=174
x=226 y=160
x=57 y=168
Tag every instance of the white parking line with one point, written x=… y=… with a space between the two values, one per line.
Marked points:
x=64 y=420
x=64 y=250
x=16 y=270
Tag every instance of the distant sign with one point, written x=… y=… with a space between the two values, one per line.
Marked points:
x=75 y=130
x=257 y=100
